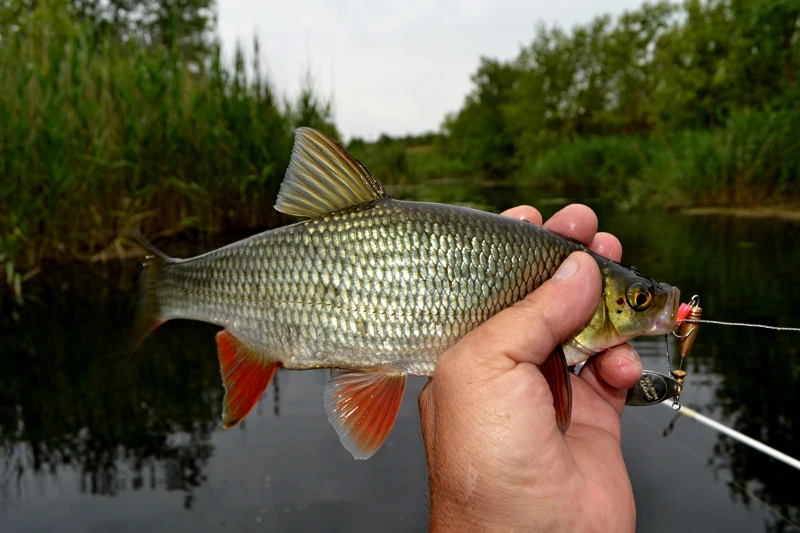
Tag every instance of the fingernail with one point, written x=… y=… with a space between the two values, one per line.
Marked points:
x=567 y=268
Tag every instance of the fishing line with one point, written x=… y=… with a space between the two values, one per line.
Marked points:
x=776 y=328
x=666 y=351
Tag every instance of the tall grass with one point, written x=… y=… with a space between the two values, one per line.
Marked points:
x=753 y=159
x=97 y=134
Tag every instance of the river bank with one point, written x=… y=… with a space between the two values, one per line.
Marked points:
x=754 y=212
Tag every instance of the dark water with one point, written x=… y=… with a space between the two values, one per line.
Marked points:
x=91 y=441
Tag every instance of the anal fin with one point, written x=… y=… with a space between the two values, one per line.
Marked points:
x=556 y=372
x=245 y=374
x=362 y=407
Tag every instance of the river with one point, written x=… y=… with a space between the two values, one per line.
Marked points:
x=93 y=441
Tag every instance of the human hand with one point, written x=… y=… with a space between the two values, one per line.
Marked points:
x=496 y=458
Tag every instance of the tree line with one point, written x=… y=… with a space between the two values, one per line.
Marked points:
x=668 y=105
x=662 y=68
x=123 y=112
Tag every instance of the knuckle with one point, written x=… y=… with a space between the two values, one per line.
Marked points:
x=539 y=323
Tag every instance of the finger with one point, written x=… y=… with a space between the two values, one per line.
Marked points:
x=612 y=373
x=524 y=212
x=529 y=330
x=590 y=410
x=576 y=221
x=607 y=245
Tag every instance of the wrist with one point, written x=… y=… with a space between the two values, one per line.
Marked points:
x=456 y=513
x=453 y=511
x=448 y=516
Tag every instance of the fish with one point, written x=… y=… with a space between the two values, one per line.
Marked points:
x=376 y=289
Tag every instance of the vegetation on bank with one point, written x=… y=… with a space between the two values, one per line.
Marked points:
x=99 y=132
x=669 y=105
x=754 y=159
x=123 y=113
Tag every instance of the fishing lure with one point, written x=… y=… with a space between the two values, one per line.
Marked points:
x=654 y=387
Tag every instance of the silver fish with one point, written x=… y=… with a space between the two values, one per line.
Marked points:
x=378 y=289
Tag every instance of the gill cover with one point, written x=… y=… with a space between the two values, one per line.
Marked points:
x=632 y=304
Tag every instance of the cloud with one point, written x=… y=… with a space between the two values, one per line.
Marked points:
x=392 y=67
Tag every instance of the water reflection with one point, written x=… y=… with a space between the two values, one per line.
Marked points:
x=70 y=397
x=745 y=271
x=75 y=410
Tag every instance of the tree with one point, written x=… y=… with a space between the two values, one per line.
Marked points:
x=184 y=25
x=662 y=67
x=479 y=133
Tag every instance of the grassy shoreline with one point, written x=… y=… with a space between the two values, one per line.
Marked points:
x=97 y=135
x=753 y=212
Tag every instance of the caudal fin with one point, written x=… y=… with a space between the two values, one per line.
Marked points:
x=148 y=313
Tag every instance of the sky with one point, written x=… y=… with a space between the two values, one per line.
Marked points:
x=392 y=67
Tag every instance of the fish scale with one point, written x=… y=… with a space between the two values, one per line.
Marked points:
x=377 y=289
x=389 y=283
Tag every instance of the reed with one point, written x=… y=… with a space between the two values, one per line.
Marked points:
x=751 y=160
x=98 y=134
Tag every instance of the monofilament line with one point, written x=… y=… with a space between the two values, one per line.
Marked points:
x=777 y=328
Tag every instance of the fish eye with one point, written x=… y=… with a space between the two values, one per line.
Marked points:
x=639 y=297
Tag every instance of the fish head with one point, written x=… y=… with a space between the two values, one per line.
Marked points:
x=632 y=304
x=638 y=305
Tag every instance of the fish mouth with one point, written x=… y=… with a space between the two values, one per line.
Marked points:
x=667 y=320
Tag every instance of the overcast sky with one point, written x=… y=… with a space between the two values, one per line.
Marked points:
x=394 y=67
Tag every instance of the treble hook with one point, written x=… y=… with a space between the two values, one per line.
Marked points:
x=671 y=427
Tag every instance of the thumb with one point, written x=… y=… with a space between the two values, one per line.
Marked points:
x=529 y=330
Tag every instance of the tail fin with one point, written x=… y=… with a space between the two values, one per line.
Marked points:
x=148 y=313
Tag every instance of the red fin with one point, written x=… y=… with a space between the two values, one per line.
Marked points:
x=362 y=407
x=556 y=373
x=245 y=374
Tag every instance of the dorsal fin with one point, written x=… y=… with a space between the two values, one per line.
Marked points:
x=323 y=177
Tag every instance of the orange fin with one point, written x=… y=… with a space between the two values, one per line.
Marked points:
x=362 y=407
x=245 y=375
x=557 y=373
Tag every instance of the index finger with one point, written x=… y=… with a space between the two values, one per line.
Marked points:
x=524 y=212
x=576 y=221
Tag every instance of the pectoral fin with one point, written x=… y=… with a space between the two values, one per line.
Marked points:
x=556 y=372
x=362 y=407
x=245 y=374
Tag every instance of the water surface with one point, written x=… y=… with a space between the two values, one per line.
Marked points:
x=91 y=441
